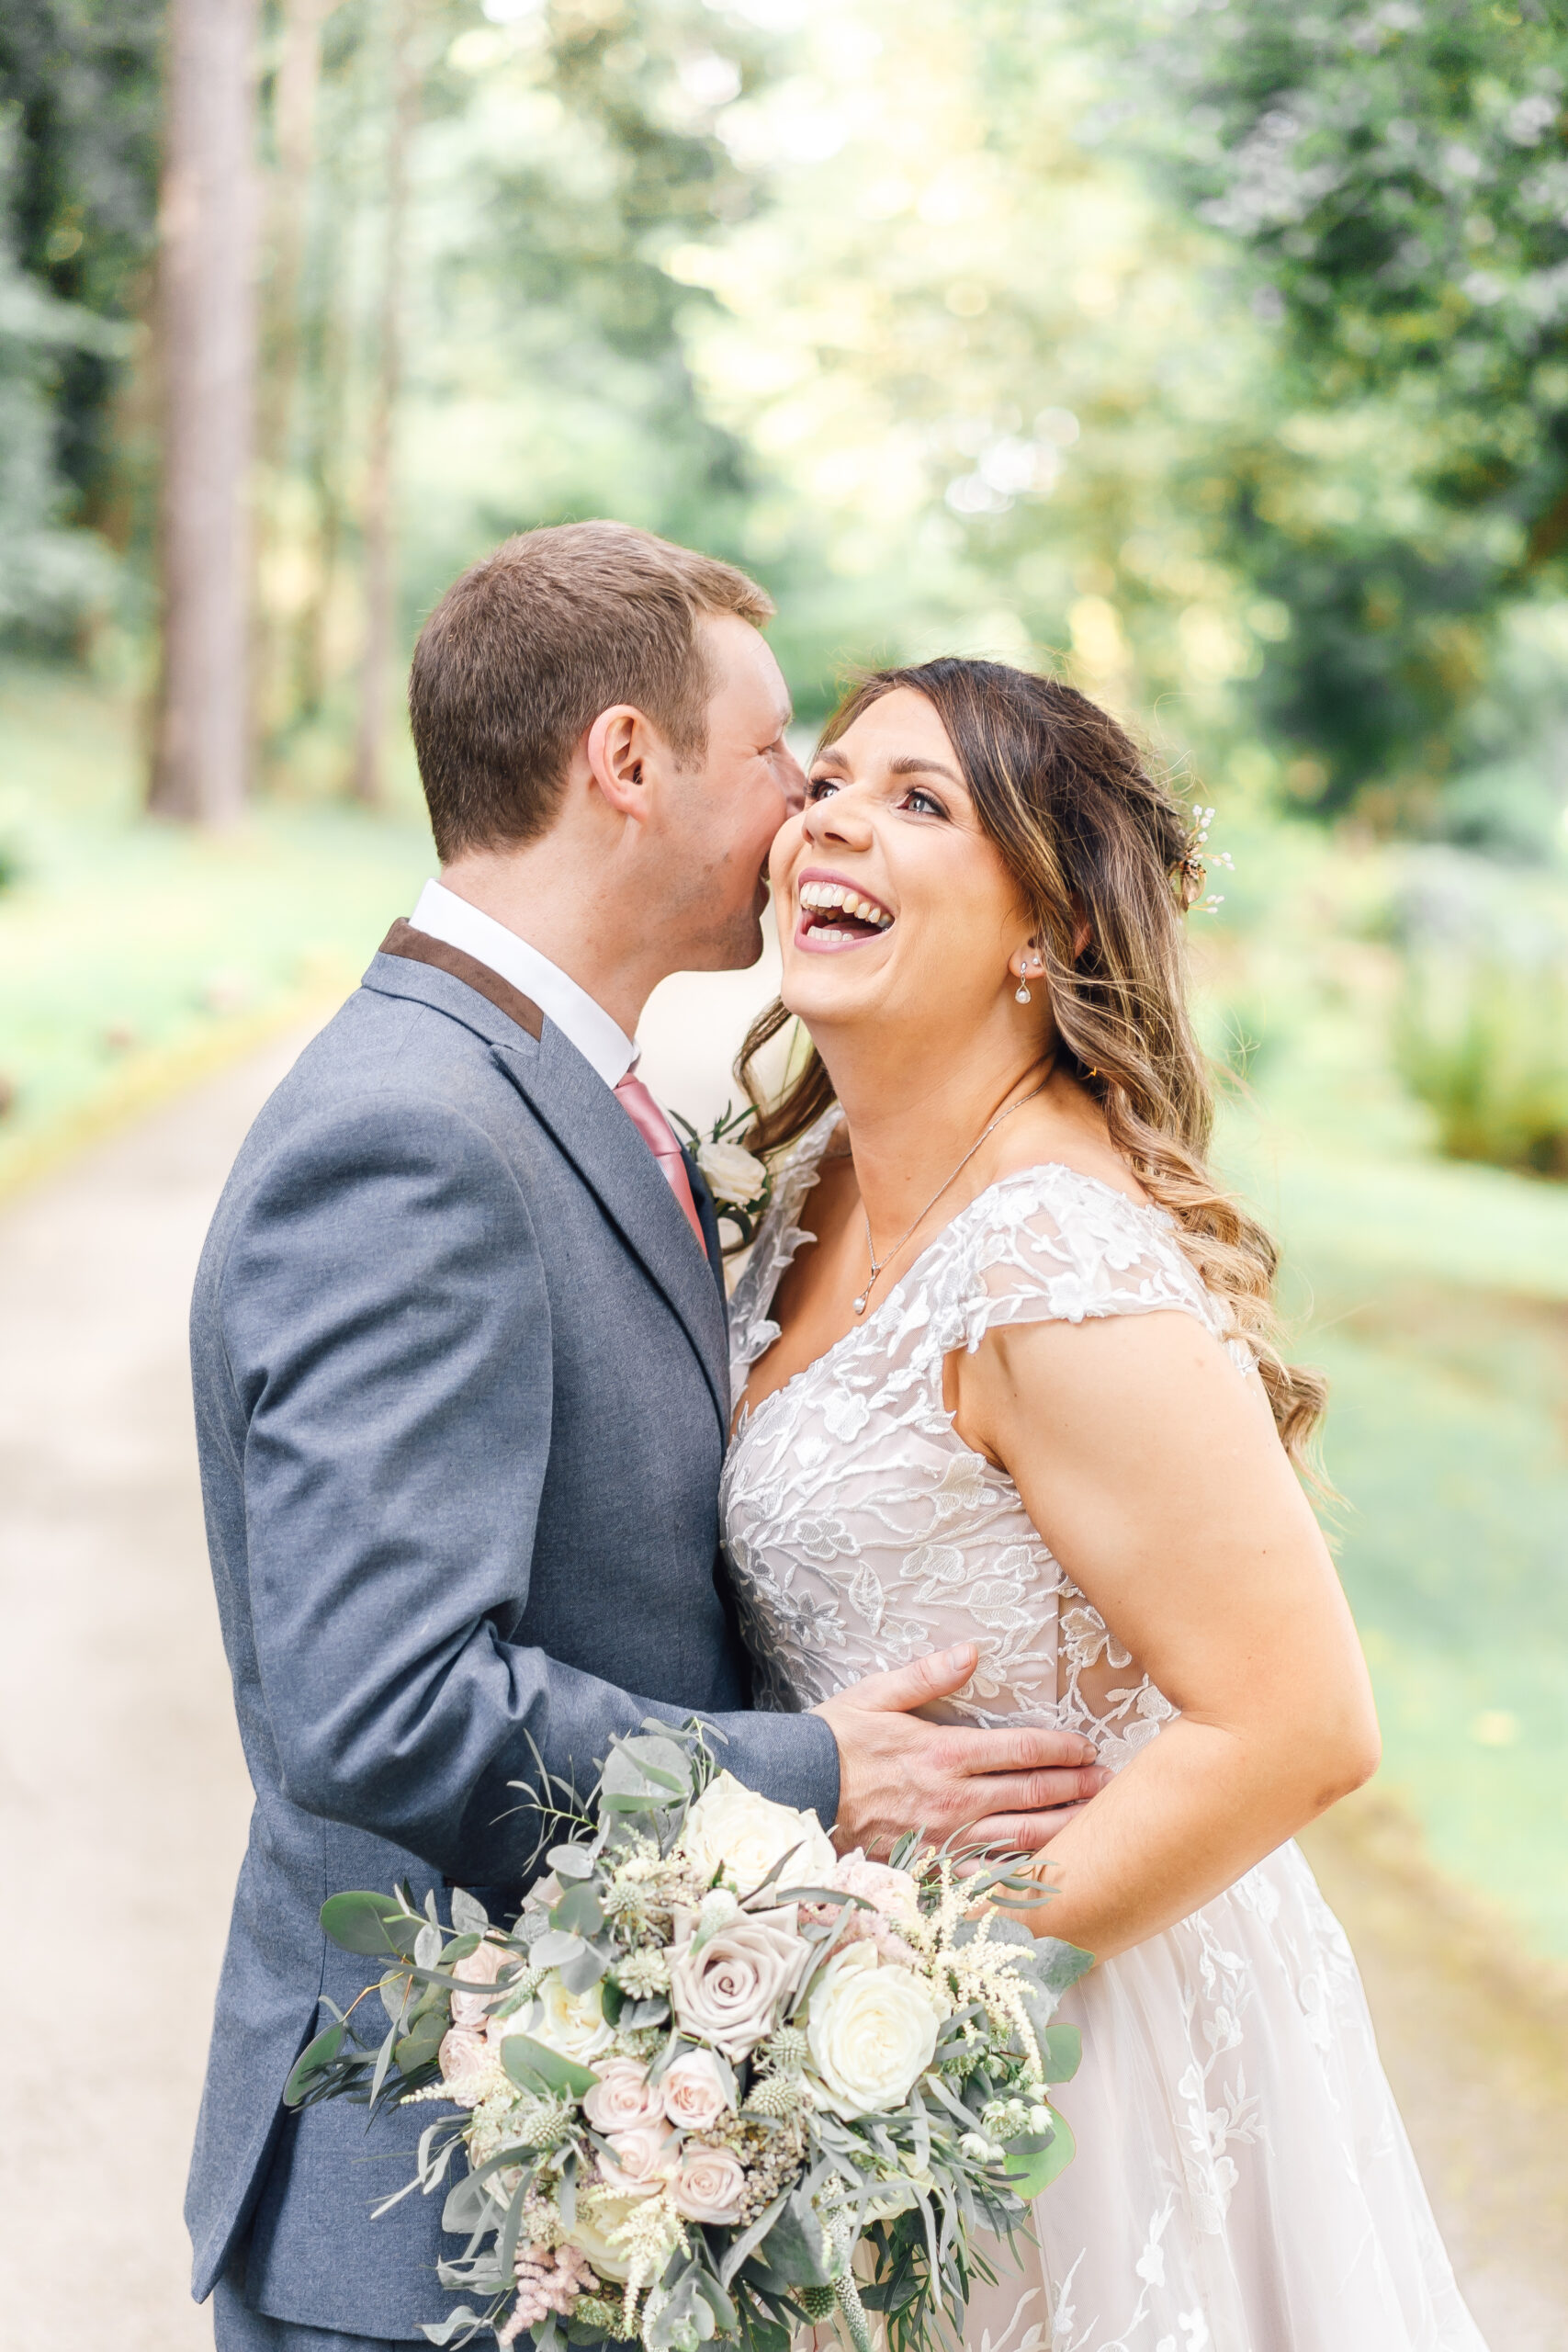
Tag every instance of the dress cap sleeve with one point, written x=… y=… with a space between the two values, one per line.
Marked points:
x=1051 y=1245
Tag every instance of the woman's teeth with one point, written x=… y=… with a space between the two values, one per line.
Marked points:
x=835 y=898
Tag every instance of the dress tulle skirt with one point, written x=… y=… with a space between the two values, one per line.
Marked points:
x=1243 y=2182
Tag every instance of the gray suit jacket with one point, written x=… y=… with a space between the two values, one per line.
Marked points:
x=461 y=1408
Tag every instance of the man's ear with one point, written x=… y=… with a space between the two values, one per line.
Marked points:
x=616 y=748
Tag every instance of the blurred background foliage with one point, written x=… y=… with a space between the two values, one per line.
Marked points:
x=1211 y=352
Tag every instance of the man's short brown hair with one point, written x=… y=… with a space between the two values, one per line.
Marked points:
x=527 y=648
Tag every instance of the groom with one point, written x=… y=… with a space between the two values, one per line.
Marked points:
x=459 y=1346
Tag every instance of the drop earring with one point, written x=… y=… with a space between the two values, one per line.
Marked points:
x=1020 y=994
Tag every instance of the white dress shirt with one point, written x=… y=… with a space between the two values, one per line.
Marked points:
x=443 y=915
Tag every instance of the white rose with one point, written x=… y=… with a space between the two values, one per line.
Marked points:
x=872 y=2030
x=573 y=2024
x=732 y=1828
x=732 y=1174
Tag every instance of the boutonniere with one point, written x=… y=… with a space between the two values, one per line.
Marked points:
x=741 y=1184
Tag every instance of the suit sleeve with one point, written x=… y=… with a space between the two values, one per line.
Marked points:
x=387 y=1326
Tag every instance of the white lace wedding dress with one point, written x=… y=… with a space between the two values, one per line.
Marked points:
x=1243 y=2181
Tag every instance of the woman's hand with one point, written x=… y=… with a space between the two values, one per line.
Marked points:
x=1151 y=1466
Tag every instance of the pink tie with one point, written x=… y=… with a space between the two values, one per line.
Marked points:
x=660 y=1136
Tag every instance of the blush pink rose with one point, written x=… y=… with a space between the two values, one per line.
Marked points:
x=709 y=2184
x=481 y=1967
x=640 y=2160
x=890 y=1893
x=621 y=2099
x=695 y=2091
x=466 y=2066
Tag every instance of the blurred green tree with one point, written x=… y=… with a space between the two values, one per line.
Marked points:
x=1394 y=178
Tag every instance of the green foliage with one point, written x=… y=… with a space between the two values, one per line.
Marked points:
x=1394 y=184
x=1484 y=1045
x=79 y=104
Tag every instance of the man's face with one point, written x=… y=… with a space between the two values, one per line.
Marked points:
x=720 y=816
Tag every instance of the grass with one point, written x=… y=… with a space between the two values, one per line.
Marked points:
x=133 y=955
x=1435 y=1294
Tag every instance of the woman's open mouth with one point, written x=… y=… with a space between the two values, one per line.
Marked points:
x=835 y=915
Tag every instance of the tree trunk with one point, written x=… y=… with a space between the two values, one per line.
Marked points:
x=207 y=332
x=294 y=125
x=380 y=584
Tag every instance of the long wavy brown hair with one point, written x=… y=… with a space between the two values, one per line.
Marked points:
x=1091 y=834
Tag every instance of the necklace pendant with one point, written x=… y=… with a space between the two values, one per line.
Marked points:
x=859 y=1303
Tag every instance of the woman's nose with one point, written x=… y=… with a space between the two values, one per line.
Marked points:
x=837 y=818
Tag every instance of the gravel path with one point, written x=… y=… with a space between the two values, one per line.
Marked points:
x=123 y=1799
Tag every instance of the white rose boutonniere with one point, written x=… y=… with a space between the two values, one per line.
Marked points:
x=741 y=1184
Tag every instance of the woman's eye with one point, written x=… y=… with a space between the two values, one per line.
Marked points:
x=923 y=804
x=819 y=786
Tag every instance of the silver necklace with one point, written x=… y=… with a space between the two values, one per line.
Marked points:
x=879 y=1265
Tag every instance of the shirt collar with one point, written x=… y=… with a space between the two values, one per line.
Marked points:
x=603 y=1045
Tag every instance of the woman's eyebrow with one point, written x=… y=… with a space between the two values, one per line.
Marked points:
x=910 y=764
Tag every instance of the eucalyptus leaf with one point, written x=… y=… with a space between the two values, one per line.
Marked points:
x=585 y=1969
x=469 y=1915
x=315 y=2059
x=653 y=2011
x=1062 y=2052
x=523 y=2057
x=447 y=2331
x=570 y=1861
x=428 y=1946
x=469 y=2205
x=579 y=1912
x=797 y=2250
x=371 y=1925
x=554 y=1948
x=1060 y=1964
x=1031 y=2176
x=383 y=2065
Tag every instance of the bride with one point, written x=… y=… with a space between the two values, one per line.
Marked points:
x=1016 y=1388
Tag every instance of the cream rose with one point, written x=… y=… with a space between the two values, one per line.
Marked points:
x=871 y=2029
x=467 y=2065
x=733 y=1829
x=696 y=2092
x=481 y=1967
x=571 y=2023
x=709 y=2184
x=598 y=2215
x=733 y=1174
x=622 y=2097
x=731 y=1991
x=641 y=2161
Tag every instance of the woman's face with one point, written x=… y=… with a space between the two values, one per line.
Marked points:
x=889 y=894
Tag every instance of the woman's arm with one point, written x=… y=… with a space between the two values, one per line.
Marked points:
x=1153 y=1470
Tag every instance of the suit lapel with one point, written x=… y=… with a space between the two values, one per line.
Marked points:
x=584 y=1118
x=591 y=1127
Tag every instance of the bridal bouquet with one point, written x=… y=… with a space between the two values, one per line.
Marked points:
x=715 y=2083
